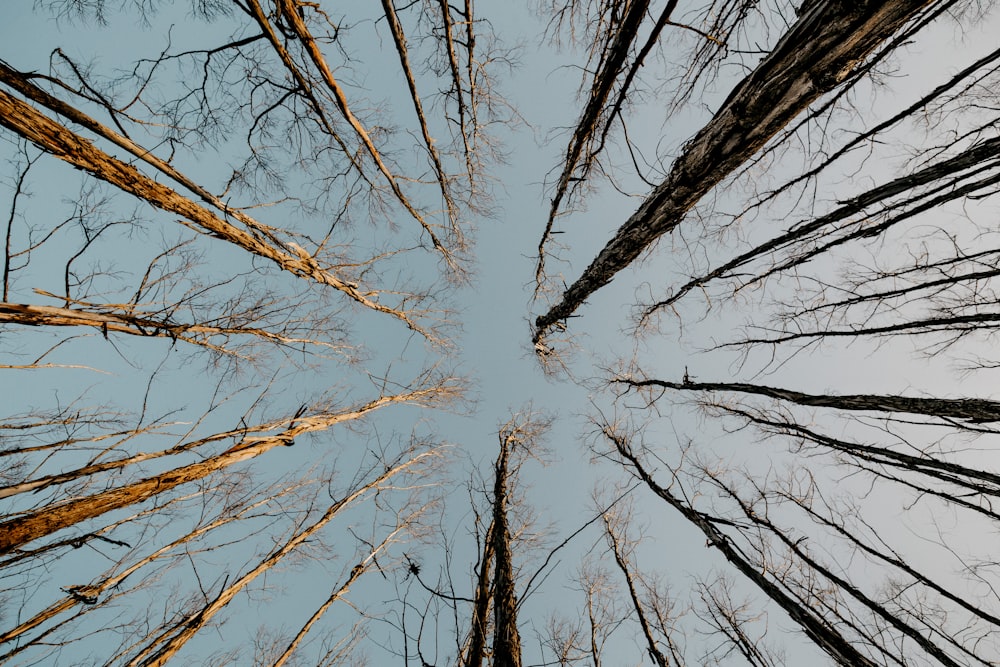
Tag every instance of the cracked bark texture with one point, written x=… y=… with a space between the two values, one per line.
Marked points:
x=820 y=51
x=506 y=638
x=975 y=410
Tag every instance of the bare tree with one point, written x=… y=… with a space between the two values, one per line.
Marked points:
x=802 y=533
x=825 y=47
x=846 y=509
x=476 y=608
x=227 y=438
x=227 y=316
x=653 y=615
x=612 y=35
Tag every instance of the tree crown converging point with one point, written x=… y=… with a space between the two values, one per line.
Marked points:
x=269 y=398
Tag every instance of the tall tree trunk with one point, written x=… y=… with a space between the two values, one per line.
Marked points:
x=818 y=53
x=976 y=410
x=506 y=640
x=47 y=520
x=476 y=650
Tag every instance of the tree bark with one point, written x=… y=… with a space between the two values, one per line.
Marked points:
x=47 y=520
x=66 y=145
x=506 y=639
x=976 y=410
x=818 y=53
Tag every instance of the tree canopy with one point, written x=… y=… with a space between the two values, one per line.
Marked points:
x=431 y=333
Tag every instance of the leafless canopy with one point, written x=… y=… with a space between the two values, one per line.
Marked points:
x=232 y=256
x=196 y=237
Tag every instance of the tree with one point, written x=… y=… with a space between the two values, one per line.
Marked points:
x=813 y=526
x=483 y=622
x=212 y=449
x=801 y=566
x=253 y=468
x=829 y=45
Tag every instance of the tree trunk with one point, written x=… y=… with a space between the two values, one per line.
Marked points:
x=818 y=53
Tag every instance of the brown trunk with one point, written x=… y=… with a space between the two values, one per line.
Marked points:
x=40 y=483
x=506 y=640
x=818 y=53
x=476 y=650
x=399 y=38
x=93 y=591
x=21 y=82
x=66 y=145
x=108 y=320
x=169 y=644
x=337 y=594
x=39 y=523
x=290 y=11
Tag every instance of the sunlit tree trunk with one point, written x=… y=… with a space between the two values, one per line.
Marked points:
x=506 y=638
x=19 y=531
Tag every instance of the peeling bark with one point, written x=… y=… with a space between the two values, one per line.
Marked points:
x=66 y=145
x=506 y=638
x=30 y=526
x=819 y=52
x=106 y=320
